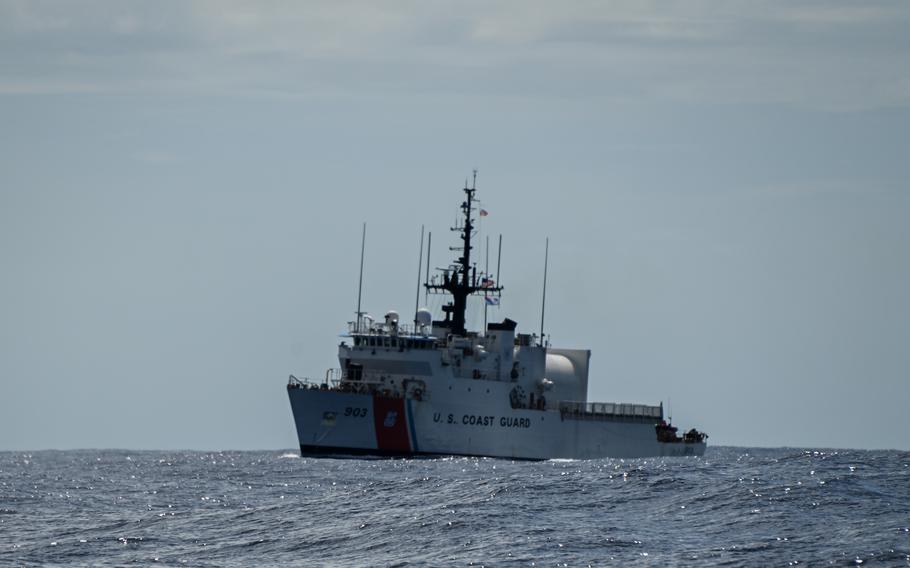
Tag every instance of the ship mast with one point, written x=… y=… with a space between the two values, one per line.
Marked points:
x=460 y=279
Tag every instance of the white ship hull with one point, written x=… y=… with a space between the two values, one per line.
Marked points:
x=333 y=422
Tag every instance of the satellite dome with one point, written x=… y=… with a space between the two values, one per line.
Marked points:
x=424 y=317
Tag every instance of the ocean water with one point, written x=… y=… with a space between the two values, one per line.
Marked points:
x=733 y=507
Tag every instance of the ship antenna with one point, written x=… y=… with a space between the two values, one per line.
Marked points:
x=543 y=302
x=499 y=259
x=363 y=243
x=426 y=294
x=487 y=276
x=419 y=270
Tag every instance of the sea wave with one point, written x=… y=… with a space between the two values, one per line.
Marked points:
x=734 y=506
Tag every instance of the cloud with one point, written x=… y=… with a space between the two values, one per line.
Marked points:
x=830 y=56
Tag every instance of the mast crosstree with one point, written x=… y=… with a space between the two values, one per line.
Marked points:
x=460 y=279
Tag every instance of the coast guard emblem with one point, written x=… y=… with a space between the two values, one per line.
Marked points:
x=390 y=419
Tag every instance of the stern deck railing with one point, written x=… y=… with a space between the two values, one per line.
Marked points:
x=611 y=410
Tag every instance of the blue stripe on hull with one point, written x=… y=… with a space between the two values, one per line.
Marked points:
x=411 y=429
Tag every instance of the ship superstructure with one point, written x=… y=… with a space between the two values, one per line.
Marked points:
x=433 y=387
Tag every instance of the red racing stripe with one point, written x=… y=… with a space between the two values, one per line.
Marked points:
x=391 y=424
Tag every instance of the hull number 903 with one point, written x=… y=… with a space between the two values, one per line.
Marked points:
x=355 y=412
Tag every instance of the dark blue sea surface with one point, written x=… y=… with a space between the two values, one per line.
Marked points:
x=735 y=506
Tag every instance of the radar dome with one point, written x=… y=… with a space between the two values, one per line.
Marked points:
x=424 y=317
x=391 y=316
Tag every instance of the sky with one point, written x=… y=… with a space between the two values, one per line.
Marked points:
x=183 y=184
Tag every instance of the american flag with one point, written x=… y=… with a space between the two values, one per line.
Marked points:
x=483 y=213
x=491 y=301
x=486 y=283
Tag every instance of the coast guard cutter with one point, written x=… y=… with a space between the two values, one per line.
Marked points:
x=434 y=387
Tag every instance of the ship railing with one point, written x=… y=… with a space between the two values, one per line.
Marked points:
x=334 y=376
x=336 y=380
x=301 y=383
x=332 y=379
x=611 y=409
x=366 y=380
x=380 y=329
